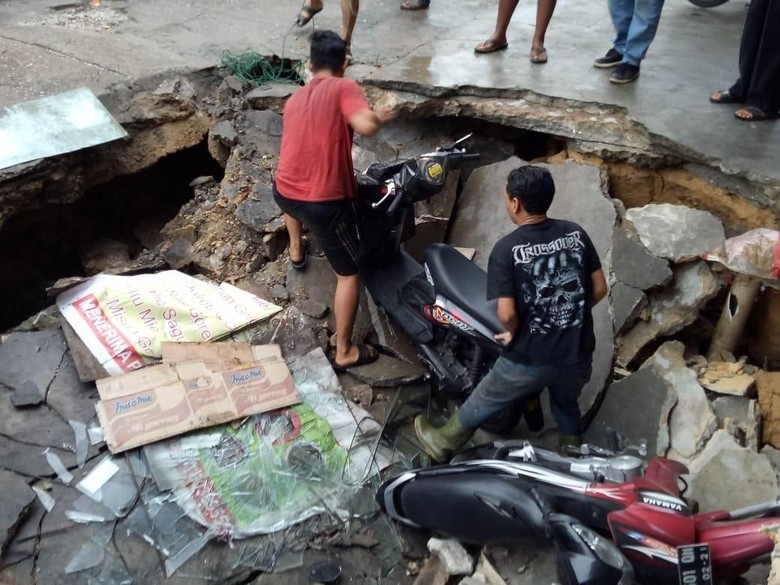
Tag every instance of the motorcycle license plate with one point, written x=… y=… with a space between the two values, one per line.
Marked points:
x=694 y=564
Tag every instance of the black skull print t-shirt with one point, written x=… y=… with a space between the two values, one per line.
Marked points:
x=546 y=267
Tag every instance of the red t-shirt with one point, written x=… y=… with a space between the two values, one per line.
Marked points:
x=315 y=163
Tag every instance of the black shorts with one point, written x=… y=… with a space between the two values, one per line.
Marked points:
x=332 y=223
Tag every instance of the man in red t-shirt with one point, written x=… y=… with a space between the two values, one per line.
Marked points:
x=315 y=183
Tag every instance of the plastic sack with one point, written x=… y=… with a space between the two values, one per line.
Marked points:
x=755 y=253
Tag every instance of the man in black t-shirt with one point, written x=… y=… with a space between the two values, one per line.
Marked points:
x=546 y=276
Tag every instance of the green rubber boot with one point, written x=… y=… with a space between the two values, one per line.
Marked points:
x=442 y=443
x=569 y=440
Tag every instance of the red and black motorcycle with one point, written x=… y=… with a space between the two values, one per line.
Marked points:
x=498 y=492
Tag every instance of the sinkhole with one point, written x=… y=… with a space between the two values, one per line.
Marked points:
x=204 y=206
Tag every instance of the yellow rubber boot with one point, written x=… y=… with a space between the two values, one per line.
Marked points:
x=442 y=443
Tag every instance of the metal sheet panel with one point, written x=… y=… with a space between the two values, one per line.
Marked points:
x=54 y=125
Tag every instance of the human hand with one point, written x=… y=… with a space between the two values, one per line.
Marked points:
x=504 y=338
x=384 y=114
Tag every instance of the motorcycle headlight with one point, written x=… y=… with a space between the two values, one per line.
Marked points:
x=601 y=547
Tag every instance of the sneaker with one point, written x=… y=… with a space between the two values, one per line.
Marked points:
x=624 y=73
x=611 y=59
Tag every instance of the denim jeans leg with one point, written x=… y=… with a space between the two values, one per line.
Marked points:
x=621 y=11
x=506 y=383
x=644 y=24
x=564 y=394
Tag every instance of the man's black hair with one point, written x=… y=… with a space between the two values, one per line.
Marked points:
x=328 y=51
x=533 y=186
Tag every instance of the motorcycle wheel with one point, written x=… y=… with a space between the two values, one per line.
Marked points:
x=707 y=3
x=504 y=421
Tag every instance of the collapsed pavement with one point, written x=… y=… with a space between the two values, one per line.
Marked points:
x=230 y=230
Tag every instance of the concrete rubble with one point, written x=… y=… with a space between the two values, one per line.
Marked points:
x=676 y=232
x=727 y=476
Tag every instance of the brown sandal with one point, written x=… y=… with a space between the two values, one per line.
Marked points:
x=723 y=96
x=490 y=46
x=538 y=55
x=754 y=114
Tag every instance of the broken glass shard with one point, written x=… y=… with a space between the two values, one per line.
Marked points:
x=90 y=555
x=54 y=125
x=56 y=464
x=82 y=443
x=46 y=500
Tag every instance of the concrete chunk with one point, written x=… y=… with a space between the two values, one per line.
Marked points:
x=768 y=385
x=671 y=308
x=27 y=394
x=627 y=304
x=453 y=557
x=692 y=421
x=727 y=476
x=634 y=266
x=676 y=232
x=17 y=499
x=638 y=408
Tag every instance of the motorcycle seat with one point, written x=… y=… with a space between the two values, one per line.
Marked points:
x=458 y=279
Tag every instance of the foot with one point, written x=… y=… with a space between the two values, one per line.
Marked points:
x=723 y=96
x=348 y=59
x=360 y=354
x=624 y=73
x=613 y=58
x=306 y=14
x=538 y=55
x=491 y=46
x=299 y=254
x=415 y=4
x=754 y=114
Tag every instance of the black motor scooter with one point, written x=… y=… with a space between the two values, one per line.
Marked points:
x=442 y=305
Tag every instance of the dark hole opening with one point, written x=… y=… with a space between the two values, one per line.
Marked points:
x=41 y=245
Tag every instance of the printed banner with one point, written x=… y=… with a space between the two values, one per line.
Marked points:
x=123 y=320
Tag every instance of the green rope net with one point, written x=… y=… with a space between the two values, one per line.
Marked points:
x=255 y=69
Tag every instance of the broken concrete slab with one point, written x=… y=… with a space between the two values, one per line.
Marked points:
x=28 y=460
x=634 y=266
x=432 y=573
x=388 y=372
x=259 y=209
x=453 y=557
x=225 y=133
x=768 y=386
x=727 y=476
x=38 y=426
x=71 y=398
x=27 y=394
x=427 y=230
x=314 y=309
x=676 y=232
x=671 y=308
x=33 y=356
x=741 y=418
x=17 y=500
x=692 y=421
x=637 y=408
x=481 y=220
x=627 y=304
x=318 y=283
x=265 y=121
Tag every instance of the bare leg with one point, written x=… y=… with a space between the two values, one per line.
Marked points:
x=544 y=12
x=349 y=13
x=506 y=8
x=294 y=229
x=345 y=306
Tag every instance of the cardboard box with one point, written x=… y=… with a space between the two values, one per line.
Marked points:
x=201 y=385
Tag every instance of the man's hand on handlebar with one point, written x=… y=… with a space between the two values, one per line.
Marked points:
x=505 y=337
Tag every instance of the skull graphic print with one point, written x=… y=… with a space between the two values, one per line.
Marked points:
x=554 y=293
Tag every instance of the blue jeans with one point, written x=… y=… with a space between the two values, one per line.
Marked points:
x=509 y=382
x=635 y=23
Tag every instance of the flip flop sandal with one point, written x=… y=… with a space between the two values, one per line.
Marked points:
x=488 y=47
x=755 y=114
x=306 y=14
x=538 y=55
x=301 y=264
x=348 y=60
x=365 y=356
x=723 y=97
x=415 y=5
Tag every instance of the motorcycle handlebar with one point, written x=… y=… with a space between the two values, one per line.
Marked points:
x=395 y=202
x=473 y=156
